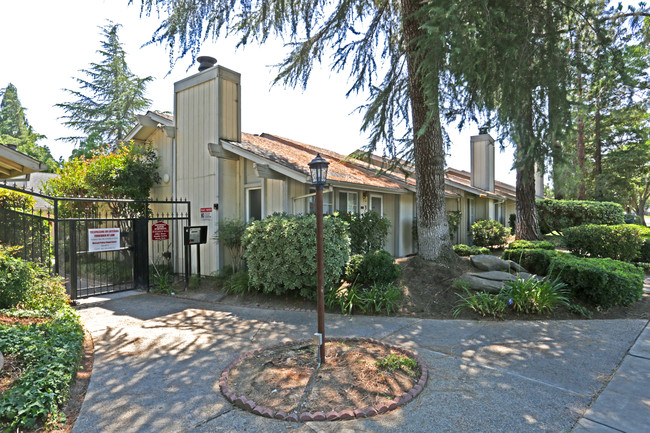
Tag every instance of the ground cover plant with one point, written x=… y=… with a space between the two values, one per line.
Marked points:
x=522 y=244
x=47 y=346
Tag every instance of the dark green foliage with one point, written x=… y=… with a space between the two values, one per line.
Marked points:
x=618 y=242
x=51 y=353
x=528 y=245
x=281 y=253
x=489 y=233
x=511 y=222
x=536 y=261
x=557 y=215
x=374 y=267
x=644 y=252
x=16 y=130
x=108 y=99
x=465 y=250
x=374 y=299
x=602 y=282
x=27 y=285
x=368 y=231
x=237 y=283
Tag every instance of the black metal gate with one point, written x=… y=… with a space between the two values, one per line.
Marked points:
x=98 y=245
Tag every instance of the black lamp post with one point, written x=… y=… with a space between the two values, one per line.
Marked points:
x=318 y=168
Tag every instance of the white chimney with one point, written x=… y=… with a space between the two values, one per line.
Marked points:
x=539 y=181
x=482 y=160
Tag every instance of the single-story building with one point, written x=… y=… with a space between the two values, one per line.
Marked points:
x=225 y=173
x=14 y=163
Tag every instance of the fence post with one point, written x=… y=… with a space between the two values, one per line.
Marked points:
x=73 y=260
x=56 y=237
x=141 y=252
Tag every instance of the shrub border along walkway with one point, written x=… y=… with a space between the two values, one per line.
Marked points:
x=346 y=414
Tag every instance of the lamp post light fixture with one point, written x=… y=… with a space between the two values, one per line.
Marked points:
x=318 y=169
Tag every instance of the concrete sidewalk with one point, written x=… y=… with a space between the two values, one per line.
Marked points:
x=158 y=361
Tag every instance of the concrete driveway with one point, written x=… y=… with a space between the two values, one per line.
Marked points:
x=158 y=360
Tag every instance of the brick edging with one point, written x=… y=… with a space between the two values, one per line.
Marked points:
x=243 y=402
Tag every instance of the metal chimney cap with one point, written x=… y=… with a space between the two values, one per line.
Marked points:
x=483 y=129
x=206 y=62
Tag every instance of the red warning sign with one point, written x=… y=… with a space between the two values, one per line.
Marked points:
x=160 y=231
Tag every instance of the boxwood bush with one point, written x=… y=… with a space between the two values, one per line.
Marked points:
x=374 y=267
x=489 y=233
x=556 y=215
x=466 y=250
x=618 y=242
x=528 y=245
x=536 y=260
x=281 y=253
x=602 y=282
x=368 y=231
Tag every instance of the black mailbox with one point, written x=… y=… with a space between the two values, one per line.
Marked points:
x=194 y=235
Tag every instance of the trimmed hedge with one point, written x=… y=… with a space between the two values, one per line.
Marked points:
x=557 y=215
x=487 y=233
x=374 y=267
x=536 y=260
x=618 y=242
x=281 y=253
x=603 y=282
x=529 y=245
x=466 y=250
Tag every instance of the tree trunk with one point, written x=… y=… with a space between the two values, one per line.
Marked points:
x=526 y=222
x=598 y=140
x=433 y=232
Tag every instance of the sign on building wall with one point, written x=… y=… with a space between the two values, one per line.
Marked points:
x=206 y=214
x=103 y=239
x=160 y=231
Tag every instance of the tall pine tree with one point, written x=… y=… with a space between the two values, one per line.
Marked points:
x=109 y=97
x=16 y=130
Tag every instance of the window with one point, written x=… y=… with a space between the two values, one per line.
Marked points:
x=348 y=202
x=377 y=204
x=253 y=204
x=327 y=202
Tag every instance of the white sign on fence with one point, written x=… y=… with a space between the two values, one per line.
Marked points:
x=103 y=239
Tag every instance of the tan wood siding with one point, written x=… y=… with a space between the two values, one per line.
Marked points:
x=406 y=205
x=229 y=127
x=196 y=174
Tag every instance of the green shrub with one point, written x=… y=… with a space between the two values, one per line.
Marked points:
x=373 y=299
x=374 y=267
x=237 y=283
x=618 y=242
x=529 y=245
x=281 y=253
x=485 y=304
x=535 y=296
x=581 y=311
x=602 y=282
x=557 y=215
x=368 y=231
x=453 y=222
x=488 y=233
x=229 y=233
x=535 y=261
x=465 y=250
x=51 y=353
x=643 y=265
x=28 y=285
x=512 y=220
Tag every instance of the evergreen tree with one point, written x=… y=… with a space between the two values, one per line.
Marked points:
x=357 y=36
x=16 y=130
x=109 y=96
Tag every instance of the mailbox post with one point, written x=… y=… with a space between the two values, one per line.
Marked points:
x=193 y=235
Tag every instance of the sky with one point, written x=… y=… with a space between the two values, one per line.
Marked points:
x=46 y=44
